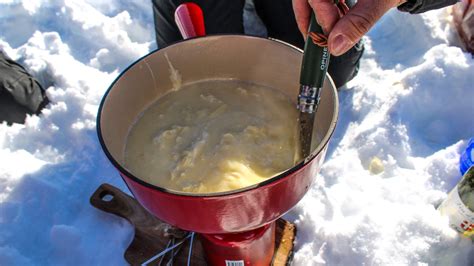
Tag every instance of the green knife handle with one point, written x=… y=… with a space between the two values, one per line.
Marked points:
x=313 y=71
x=315 y=59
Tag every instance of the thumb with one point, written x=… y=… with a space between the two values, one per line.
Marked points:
x=358 y=21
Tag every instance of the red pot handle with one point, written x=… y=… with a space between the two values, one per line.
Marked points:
x=190 y=20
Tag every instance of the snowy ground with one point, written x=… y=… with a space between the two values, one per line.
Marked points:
x=412 y=109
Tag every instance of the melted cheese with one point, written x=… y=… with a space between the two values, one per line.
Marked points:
x=214 y=136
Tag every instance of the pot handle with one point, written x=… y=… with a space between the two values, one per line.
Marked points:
x=190 y=20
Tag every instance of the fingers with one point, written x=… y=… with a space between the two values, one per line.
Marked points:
x=359 y=20
x=345 y=31
x=302 y=14
x=326 y=13
x=325 y=10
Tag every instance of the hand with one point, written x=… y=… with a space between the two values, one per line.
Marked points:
x=343 y=31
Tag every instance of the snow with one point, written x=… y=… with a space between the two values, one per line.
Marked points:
x=408 y=113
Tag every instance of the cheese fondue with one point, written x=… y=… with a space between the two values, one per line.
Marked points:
x=214 y=136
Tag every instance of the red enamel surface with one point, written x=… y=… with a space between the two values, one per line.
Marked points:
x=236 y=212
x=255 y=247
x=190 y=20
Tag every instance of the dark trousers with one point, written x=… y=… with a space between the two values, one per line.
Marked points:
x=224 y=17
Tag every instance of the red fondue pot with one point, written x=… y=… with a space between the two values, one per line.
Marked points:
x=236 y=225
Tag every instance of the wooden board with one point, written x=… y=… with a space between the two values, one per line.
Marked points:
x=153 y=235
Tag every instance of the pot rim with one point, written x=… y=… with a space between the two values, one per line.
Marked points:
x=324 y=142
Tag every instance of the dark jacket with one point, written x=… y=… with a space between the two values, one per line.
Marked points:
x=420 y=6
x=20 y=93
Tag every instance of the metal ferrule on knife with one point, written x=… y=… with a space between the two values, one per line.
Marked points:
x=308 y=99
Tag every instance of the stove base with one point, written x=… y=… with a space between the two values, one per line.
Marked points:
x=152 y=235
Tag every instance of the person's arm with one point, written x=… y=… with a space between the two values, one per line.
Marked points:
x=23 y=88
x=343 y=32
x=420 y=6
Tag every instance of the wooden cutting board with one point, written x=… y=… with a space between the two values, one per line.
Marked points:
x=153 y=235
